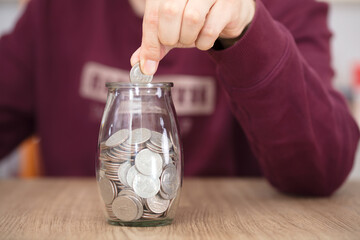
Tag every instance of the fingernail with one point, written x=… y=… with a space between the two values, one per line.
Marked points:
x=149 y=67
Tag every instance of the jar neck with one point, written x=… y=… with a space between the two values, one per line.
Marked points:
x=119 y=85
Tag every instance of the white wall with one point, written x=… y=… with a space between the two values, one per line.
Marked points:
x=9 y=12
x=344 y=20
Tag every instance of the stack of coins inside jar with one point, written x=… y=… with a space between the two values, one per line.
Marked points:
x=138 y=176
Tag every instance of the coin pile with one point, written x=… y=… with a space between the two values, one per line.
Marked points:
x=138 y=178
x=136 y=76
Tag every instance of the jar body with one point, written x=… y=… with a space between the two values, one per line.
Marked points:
x=139 y=157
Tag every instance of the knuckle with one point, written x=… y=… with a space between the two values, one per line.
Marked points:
x=167 y=41
x=152 y=19
x=209 y=32
x=192 y=16
x=186 y=41
x=170 y=9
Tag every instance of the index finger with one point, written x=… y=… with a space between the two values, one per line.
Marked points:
x=150 y=51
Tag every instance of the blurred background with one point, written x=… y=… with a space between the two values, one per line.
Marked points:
x=344 y=21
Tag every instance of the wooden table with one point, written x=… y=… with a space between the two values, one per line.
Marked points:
x=209 y=209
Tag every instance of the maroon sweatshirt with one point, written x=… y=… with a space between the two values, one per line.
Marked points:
x=264 y=106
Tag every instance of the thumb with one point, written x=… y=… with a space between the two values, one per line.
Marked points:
x=144 y=64
x=150 y=58
x=135 y=57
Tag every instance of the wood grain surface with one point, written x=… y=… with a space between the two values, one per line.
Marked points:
x=217 y=208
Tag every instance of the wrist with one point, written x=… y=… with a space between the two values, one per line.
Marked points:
x=226 y=42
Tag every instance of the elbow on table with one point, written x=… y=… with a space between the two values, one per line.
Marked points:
x=318 y=182
x=319 y=168
x=314 y=187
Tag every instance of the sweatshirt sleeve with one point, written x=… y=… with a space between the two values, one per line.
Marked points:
x=278 y=80
x=16 y=88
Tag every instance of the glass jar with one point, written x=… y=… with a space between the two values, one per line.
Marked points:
x=139 y=157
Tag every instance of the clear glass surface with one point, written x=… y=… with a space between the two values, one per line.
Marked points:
x=139 y=155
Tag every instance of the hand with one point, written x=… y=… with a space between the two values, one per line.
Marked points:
x=171 y=24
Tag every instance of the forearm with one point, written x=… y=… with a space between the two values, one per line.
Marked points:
x=299 y=128
x=301 y=133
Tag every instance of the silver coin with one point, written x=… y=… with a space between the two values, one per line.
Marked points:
x=129 y=192
x=101 y=173
x=119 y=186
x=120 y=151
x=146 y=186
x=119 y=158
x=157 y=204
x=108 y=190
x=109 y=211
x=103 y=157
x=117 y=138
x=112 y=177
x=131 y=175
x=125 y=208
x=138 y=136
x=112 y=173
x=139 y=205
x=122 y=172
x=138 y=201
x=160 y=140
x=170 y=180
x=149 y=163
x=167 y=196
x=167 y=159
x=151 y=216
x=103 y=146
x=136 y=76
x=153 y=148
x=114 y=165
x=126 y=146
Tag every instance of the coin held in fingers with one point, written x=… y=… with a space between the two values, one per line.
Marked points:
x=136 y=75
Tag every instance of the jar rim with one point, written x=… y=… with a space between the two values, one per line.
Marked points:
x=139 y=85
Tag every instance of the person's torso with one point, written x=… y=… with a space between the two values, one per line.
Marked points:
x=82 y=45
